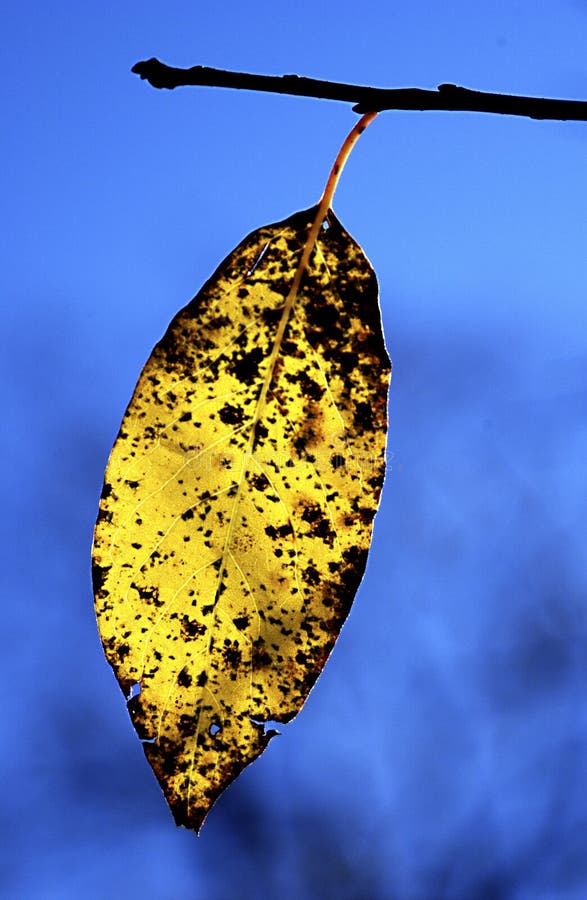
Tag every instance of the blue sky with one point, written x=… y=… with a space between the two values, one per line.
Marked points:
x=443 y=753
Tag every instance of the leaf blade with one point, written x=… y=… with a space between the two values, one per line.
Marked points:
x=239 y=497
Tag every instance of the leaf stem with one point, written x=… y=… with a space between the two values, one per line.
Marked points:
x=343 y=155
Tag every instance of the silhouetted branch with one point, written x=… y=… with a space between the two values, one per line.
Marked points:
x=448 y=97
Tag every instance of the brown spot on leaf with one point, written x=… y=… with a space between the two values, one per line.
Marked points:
x=191 y=628
x=184 y=679
x=231 y=415
x=260 y=482
x=245 y=367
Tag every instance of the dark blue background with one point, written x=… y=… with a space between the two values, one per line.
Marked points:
x=443 y=754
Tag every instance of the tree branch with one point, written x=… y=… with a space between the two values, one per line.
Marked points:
x=448 y=97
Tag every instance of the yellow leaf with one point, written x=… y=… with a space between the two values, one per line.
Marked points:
x=238 y=501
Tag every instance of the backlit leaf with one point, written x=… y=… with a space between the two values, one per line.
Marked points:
x=238 y=503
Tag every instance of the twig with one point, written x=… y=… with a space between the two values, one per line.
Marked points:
x=448 y=97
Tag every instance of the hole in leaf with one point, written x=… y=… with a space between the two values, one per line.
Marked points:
x=149 y=740
x=214 y=729
x=271 y=726
x=325 y=225
x=135 y=690
x=258 y=260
